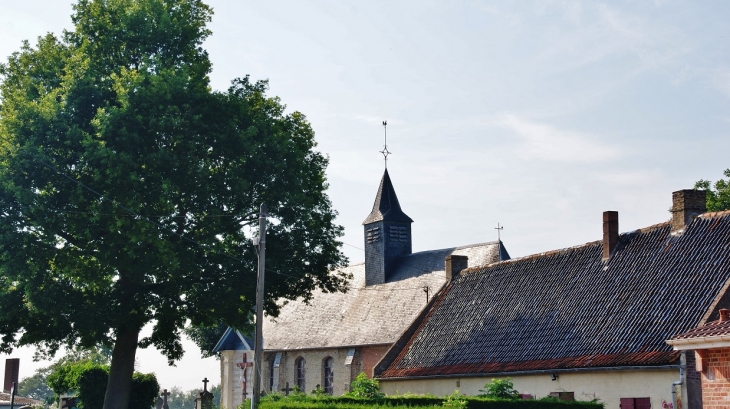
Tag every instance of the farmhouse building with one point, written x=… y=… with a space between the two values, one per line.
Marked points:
x=588 y=321
x=327 y=342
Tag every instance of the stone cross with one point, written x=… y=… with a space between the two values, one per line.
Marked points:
x=165 y=394
x=244 y=365
x=287 y=389
x=205 y=398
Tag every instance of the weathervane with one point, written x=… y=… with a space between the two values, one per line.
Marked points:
x=385 y=150
x=499 y=230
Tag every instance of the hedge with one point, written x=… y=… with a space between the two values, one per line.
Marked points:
x=425 y=402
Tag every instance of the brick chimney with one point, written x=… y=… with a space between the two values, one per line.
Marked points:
x=686 y=205
x=454 y=265
x=724 y=315
x=610 y=233
x=12 y=370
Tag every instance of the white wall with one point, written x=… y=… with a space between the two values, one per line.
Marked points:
x=608 y=386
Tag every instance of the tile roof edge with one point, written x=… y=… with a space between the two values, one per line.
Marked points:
x=534 y=371
x=375 y=344
x=713 y=215
x=564 y=249
x=715 y=303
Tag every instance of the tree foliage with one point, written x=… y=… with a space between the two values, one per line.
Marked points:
x=87 y=380
x=207 y=336
x=129 y=189
x=718 y=193
x=499 y=388
x=36 y=386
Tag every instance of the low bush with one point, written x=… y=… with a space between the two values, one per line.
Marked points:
x=419 y=401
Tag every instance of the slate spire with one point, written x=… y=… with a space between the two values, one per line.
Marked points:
x=387 y=234
x=386 y=206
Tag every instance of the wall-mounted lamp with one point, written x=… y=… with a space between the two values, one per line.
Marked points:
x=553 y=377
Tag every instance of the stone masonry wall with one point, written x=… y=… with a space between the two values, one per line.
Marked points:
x=716 y=379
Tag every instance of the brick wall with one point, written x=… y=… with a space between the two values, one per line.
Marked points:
x=716 y=379
x=370 y=356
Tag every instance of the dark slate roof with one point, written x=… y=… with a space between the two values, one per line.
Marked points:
x=386 y=206
x=711 y=329
x=369 y=315
x=569 y=309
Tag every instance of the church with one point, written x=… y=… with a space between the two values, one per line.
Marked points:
x=326 y=343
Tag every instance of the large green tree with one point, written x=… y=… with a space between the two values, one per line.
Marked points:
x=129 y=190
x=718 y=193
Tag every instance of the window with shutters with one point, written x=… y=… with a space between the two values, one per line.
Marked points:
x=328 y=371
x=300 y=365
x=635 y=403
x=568 y=396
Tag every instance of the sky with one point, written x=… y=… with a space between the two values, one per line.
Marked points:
x=537 y=115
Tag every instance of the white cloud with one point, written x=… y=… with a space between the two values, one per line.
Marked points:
x=545 y=142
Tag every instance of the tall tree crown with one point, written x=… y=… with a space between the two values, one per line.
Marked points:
x=129 y=188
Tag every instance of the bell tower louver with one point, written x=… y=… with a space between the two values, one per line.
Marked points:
x=387 y=234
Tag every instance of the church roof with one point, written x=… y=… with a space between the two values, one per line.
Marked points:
x=386 y=206
x=570 y=309
x=372 y=315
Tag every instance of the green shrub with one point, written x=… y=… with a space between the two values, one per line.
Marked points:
x=500 y=388
x=362 y=387
x=88 y=381
x=418 y=401
x=455 y=401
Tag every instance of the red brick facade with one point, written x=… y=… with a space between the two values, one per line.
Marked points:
x=370 y=356
x=715 y=367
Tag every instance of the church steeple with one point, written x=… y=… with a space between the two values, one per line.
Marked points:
x=386 y=206
x=387 y=234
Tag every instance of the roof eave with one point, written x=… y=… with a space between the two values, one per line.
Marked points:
x=715 y=341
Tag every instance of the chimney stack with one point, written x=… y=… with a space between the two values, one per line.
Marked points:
x=686 y=205
x=12 y=370
x=454 y=265
x=610 y=233
x=724 y=315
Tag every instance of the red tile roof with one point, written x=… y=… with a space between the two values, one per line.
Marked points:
x=711 y=329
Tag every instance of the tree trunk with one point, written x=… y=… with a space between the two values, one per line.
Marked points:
x=119 y=387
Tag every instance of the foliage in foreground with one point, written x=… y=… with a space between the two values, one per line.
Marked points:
x=129 y=188
x=88 y=380
x=363 y=387
x=455 y=400
x=499 y=388
x=718 y=194
x=36 y=385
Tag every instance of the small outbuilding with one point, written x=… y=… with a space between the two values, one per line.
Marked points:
x=711 y=345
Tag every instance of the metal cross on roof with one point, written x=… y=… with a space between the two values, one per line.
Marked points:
x=385 y=150
x=205 y=384
x=499 y=230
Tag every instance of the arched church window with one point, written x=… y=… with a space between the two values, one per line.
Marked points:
x=300 y=369
x=329 y=375
x=271 y=373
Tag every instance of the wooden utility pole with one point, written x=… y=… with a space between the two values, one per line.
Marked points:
x=258 y=343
